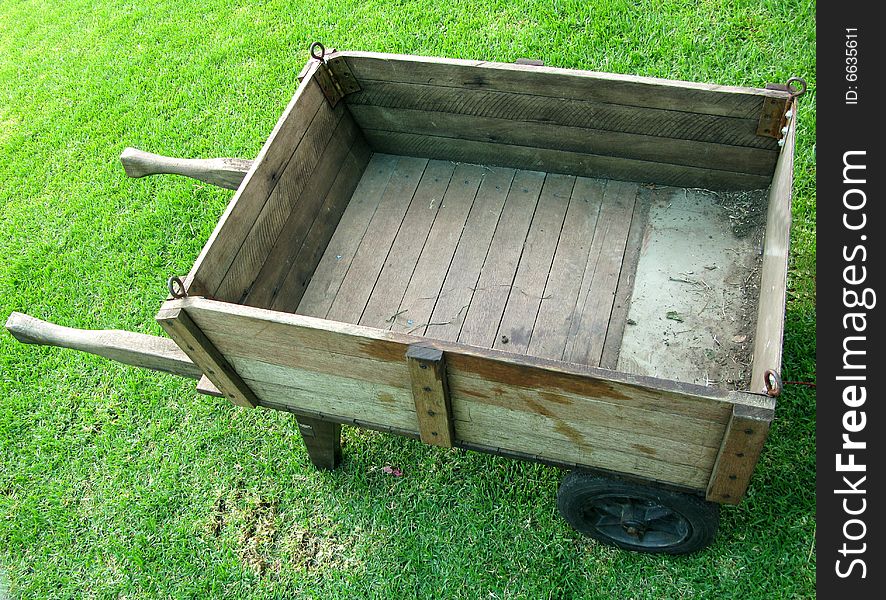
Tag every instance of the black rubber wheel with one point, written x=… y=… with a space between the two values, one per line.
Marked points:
x=637 y=517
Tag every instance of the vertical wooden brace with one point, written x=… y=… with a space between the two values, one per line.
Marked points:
x=322 y=440
x=739 y=452
x=430 y=390
x=194 y=343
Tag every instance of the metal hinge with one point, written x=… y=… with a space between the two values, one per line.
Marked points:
x=333 y=76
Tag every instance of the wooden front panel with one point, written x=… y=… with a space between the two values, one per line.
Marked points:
x=646 y=428
x=563 y=121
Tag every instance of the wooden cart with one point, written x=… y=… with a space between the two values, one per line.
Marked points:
x=553 y=265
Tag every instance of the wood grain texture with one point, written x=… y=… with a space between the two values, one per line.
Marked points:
x=417 y=306
x=369 y=259
x=343 y=245
x=768 y=339
x=223 y=172
x=591 y=319
x=629 y=90
x=464 y=270
x=742 y=443
x=407 y=247
x=302 y=263
x=525 y=297
x=563 y=412
x=587 y=114
x=136 y=349
x=560 y=297
x=625 y=288
x=303 y=214
x=430 y=390
x=219 y=251
x=484 y=314
x=537 y=134
x=560 y=161
x=187 y=334
x=296 y=189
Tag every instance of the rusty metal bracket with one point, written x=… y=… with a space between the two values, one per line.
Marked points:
x=333 y=76
x=777 y=111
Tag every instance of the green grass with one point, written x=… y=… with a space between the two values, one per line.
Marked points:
x=117 y=482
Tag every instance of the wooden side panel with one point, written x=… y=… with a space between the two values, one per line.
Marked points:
x=773 y=279
x=611 y=88
x=238 y=219
x=566 y=414
x=559 y=161
x=742 y=443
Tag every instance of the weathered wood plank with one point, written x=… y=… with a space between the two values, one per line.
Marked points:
x=430 y=390
x=625 y=288
x=549 y=394
x=292 y=288
x=742 y=443
x=464 y=270
x=630 y=90
x=302 y=216
x=521 y=310
x=181 y=328
x=585 y=114
x=333 y=394
x=536 y=434
x=343 y=245
x=218 y=253
x=536 y=134
x=322 y=441
x=560 y=161
x=407 y=247
x=298 y=177
x=136 y=349
x=483 y=316
x=276 y=330
x=551 y=330
x=370 y=257
x=417 y=306
x=773 y=279
x=591 y=320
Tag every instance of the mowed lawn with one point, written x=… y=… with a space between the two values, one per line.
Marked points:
x=119 y=482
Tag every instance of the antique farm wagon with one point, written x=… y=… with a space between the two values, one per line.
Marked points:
x=582 y=269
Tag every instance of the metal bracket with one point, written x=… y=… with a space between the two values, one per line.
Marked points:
x=778 y=111
x=333 y=76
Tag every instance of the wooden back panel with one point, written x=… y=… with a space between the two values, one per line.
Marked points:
x=565 y=414
x=566 y=121
x=309 y=166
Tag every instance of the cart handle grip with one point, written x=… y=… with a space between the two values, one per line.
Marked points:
x=224 y=172
x=136 y=349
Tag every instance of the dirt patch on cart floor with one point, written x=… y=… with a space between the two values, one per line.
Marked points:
x=694 y=306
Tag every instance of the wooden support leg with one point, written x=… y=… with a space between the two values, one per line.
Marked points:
x=323 y=441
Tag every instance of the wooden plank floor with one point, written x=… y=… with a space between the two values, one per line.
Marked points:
x=522 y=261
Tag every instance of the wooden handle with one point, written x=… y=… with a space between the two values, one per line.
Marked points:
x=223 y=172
x=136 y=349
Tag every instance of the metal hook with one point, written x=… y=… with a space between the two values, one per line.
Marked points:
x=314 y=48
x=772 y=381
x=796 y=92
x=176 y=287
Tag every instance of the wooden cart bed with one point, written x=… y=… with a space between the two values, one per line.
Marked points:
x=565 y=284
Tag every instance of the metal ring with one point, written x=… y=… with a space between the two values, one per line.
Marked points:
x=796 y=92
x=176 y=287
x=772 y=381
x=314 y=47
